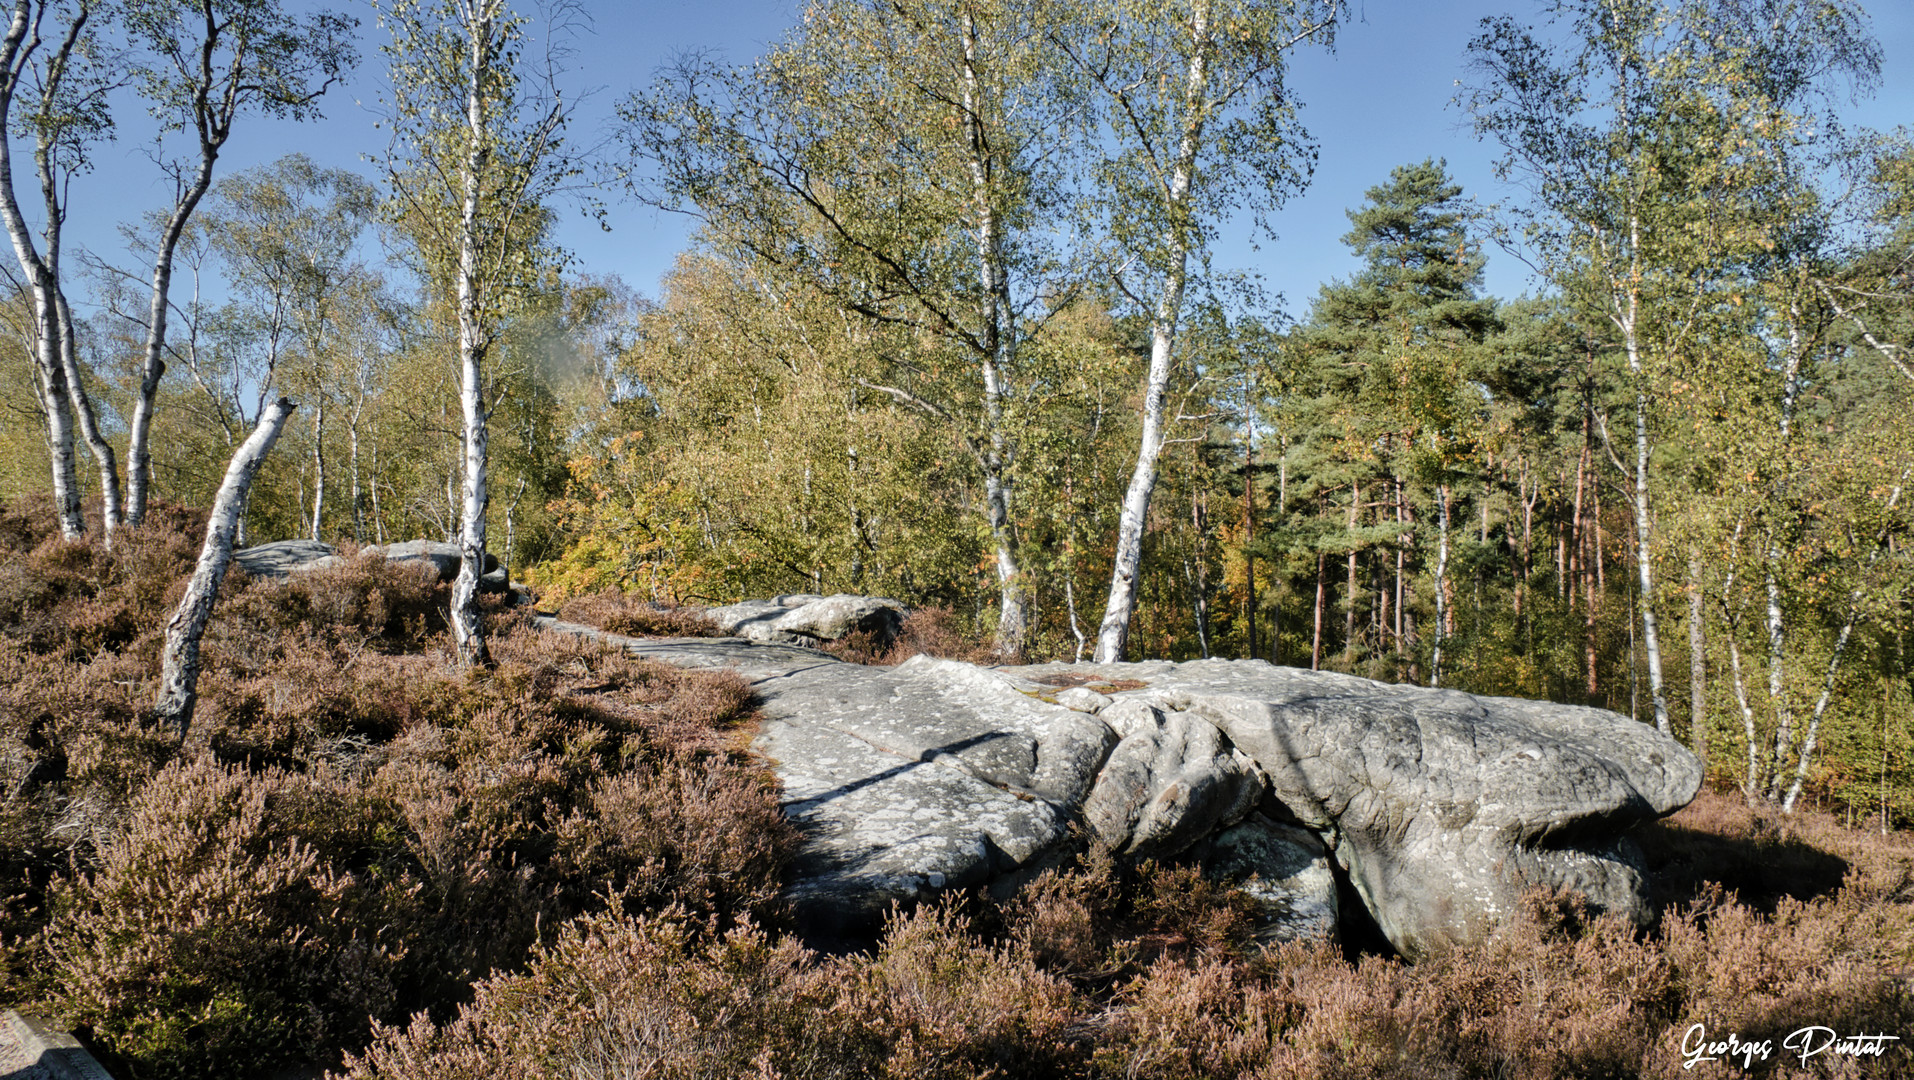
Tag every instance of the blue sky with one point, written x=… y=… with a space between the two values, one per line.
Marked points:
x=1382 y=99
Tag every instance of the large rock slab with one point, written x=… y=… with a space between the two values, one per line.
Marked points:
x=1439 y=807
x=1442 y=807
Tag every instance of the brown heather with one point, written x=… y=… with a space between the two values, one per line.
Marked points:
x=567 y=867
x=356 y=830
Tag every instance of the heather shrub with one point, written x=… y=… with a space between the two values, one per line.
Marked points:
x=937 y=1002
x=935 y=632
x=666 y=995
x=623 y=995
x=212 y=935
x=698 y=833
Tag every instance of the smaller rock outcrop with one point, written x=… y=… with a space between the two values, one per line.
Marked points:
x=443 y=557
x=282 y=557
x=808 y=619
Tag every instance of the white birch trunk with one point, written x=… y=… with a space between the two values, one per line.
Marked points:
x=467 y=630
x=999 y=364
x=15 y=52
x=103 y=456
x=318 y=462
x=179 y=660
x=1697 y=662
x=1812 y=736
x=1644 y=520
x=1114 y=633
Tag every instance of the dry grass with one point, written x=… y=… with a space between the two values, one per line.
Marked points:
x=623 y=613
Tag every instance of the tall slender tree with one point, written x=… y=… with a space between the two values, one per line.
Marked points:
x=201 y=65
x=1202 y=123
x=474 y=164
x=56 y=90
x=913 y=162
x=1632 y=137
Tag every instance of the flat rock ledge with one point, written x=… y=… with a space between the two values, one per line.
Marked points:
x=1440 y=808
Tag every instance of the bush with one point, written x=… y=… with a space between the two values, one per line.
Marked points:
x=212 y=935
x=358 y=829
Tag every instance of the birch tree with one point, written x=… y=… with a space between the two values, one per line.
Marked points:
x=914 y=162
x=1203 y=123
x=1637 y=135
x=285 y=233
x=179 y=658
x=53 y=89
x=474 y=162
x=202 y=65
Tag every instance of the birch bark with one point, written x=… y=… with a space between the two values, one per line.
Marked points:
x=179 y=659
x=1114 y=632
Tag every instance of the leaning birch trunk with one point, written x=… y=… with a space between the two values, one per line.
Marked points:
x=1813 y=735
x=179 y=662
x=1114 y=633
x=467 y=630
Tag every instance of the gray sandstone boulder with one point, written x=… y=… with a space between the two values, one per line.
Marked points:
x=1171 y=781
x=1441 y=807
x=282 y=557
x=442 y=556
x=807 y=619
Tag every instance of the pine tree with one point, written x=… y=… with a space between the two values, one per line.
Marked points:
x=1386 y=360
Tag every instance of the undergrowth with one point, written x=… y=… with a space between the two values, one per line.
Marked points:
x=368 y=860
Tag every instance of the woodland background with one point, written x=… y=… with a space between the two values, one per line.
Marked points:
x=945 y=294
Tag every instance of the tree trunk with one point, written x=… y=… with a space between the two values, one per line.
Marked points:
x=103 y=455
x=1249 y=527
x=1349 y=592
x=1697 y=662
x=1000 y=355
x=139 y=459
x=1115 y=630
x=1813 y=733
x=318 y=462
x=1441 y=585
x=1629 y=319
x=467 y=630
x=179 y=661
x=49 y=365
x=1316 y=646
